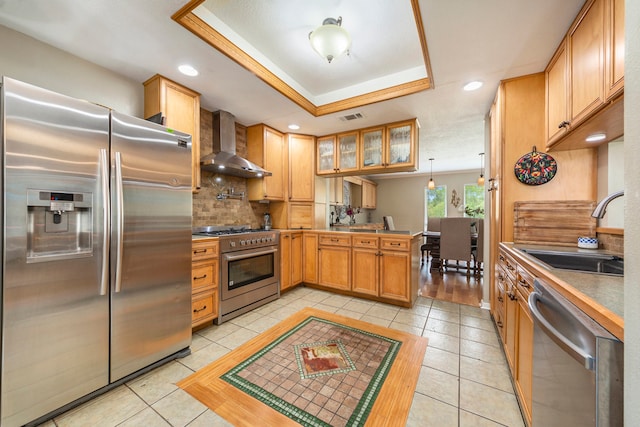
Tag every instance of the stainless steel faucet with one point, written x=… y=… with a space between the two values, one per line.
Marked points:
x=601 y=208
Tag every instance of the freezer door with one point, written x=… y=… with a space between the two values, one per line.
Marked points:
x=55 y=306
x=150 y=243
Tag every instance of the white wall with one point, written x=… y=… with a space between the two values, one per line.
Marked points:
x=403 y=197
x=27 y=59
x=632 y=207
x=610 y=180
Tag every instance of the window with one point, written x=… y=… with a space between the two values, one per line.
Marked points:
x=473 y=201
x=435 y=202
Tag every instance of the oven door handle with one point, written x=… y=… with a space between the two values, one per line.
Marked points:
x=232 y=257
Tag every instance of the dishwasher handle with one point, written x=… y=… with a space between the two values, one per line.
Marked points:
x=567 y=345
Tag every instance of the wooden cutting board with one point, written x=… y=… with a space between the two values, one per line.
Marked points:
x=557 y=223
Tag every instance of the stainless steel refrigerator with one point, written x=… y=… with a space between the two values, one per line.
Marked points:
x=96 y=249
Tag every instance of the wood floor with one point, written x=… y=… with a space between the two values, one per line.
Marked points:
x=450 y=285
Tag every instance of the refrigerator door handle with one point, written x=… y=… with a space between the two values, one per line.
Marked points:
x=587 y=360
x=119 y=226
x=106 y=211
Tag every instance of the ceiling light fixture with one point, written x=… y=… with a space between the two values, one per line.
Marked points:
x=472 y=85
x=596 y=137
x=481 y=177
x=294 y=127
x=188 y=70
x=330 y=40
x=432 y=185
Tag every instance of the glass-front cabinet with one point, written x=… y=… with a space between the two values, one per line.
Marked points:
x=401 y=138
x=338 y=153
x=327 y=162
x=348 y=152
x=371 y=150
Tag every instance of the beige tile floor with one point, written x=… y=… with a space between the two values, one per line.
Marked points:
x=464 y=380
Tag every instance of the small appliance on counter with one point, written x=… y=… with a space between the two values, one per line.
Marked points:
x=267 y=221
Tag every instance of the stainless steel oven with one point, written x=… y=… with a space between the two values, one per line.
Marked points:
x=249 y=269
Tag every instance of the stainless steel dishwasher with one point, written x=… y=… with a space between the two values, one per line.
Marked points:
x=577 y=365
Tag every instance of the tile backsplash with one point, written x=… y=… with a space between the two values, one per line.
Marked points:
x=207 y=209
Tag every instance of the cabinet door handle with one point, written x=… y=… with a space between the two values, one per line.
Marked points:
x=394 y=244
x=200 y=277
x=500 y=299
x=199 y=251
x=499 y=323
x=563 y=124
x=524 y=283
x=197 y=310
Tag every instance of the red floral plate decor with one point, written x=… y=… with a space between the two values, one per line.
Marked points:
x=535 y=168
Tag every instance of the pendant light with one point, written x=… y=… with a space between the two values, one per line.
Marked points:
x=432 y=185
x=481 y=177
x=330 y=40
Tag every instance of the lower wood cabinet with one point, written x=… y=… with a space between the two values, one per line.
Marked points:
x=366 y=256
x=310 y=257
x=334 y=261
x=395 y=275
x=514 y=284
x=363 y=264
x=290 y=259
x=204 y=281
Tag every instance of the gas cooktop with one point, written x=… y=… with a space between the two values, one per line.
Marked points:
x=224 y=230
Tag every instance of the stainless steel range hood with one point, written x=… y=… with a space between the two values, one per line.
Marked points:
x=224 y=159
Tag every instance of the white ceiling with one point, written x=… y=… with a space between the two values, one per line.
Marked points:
x=489 y=40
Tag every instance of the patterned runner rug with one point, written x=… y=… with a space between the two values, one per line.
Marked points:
x=314 y=369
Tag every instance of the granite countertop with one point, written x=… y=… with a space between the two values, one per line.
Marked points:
x=346 y=229
x=604 y=293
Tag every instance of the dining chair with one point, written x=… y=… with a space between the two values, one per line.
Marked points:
x=478 y=248
x=433 y=224
x=455 y=242
x=388 y=223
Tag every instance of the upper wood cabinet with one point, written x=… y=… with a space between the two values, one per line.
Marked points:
x=614 y=47
x=557 y=92
x=369 y=194
x=401 y=145
x=380 y=149
x=336 y=193
x=265 y=147
x=585 y=75
x=586 y=63
x=372 y=142
x=180 y=107
x=301 y=175
x=337 y=153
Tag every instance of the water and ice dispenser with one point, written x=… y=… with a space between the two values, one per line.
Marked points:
x=59 y=225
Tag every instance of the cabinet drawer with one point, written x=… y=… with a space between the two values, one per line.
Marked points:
x=508 y=265
x=204 y=307
x=204 y=250
x=524 y=281
x=333 y=240
x=365 y=242
x=202 y=276
x=395 y=244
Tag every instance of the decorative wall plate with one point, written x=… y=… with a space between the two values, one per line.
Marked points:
x=535 y=168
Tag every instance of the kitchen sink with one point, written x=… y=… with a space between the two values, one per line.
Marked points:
x=579 y=261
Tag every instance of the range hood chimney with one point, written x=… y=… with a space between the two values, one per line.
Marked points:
x=224 y=159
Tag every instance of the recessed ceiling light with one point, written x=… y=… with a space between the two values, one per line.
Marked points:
x=294 y=127
x=596 y=137
x=188 y=70
x=472 y=85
